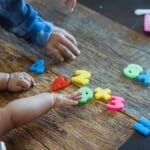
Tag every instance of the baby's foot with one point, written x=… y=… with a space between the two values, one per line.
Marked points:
x=20 y=81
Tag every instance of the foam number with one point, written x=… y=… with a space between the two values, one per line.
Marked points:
x=142 y=126
x=147 y=22
x=87 y=95
x=38 y=67
x=145 y=78
x=102 y=94
x=116 y=103
x=81 y=77
x=132 y=71
x=60 y=83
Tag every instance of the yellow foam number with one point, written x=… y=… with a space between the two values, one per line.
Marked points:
x=81 y=77
x=102 y=94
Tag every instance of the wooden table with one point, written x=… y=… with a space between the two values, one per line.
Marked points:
x=106 y=48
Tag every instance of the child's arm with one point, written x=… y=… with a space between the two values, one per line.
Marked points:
x=20 y=18
x=25 y=110
x=15 y=82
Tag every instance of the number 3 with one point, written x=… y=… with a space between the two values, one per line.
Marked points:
x=116 y=103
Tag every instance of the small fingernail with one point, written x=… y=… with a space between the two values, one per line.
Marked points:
x=78 y=52
x=72 y=9
x=62 y=59
x=73 y=57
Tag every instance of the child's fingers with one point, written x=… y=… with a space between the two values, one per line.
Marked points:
x=33 y=83
x=64 y=33
x=30 y=79
x=62 y=45
x=61 y=100
x=69 y=102
x=66 y=52
x=70 y=37
x=57 y=54
x=75 y=96
x=70 y=45
x=24 y=84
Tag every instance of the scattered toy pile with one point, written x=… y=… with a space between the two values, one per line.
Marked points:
x=82 y=78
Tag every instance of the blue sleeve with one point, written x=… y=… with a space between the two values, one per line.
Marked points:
x=21 y=19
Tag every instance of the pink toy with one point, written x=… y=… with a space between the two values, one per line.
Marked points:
x=147 y=23
x=116 y=103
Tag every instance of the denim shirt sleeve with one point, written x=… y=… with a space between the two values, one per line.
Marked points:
x=21 y=19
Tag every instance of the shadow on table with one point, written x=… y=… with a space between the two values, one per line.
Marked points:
x=136 y=142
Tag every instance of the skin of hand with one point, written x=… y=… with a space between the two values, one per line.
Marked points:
x=62 y=44
x=70 y=4
x=4 y=77
x=25 y=110
x=20 y=81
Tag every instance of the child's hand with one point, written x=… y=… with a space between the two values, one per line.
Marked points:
x=59 y=100
x=62 y=44
x=20 y=81
x=70 y=4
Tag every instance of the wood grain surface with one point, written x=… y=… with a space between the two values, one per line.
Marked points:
x=106 y=48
